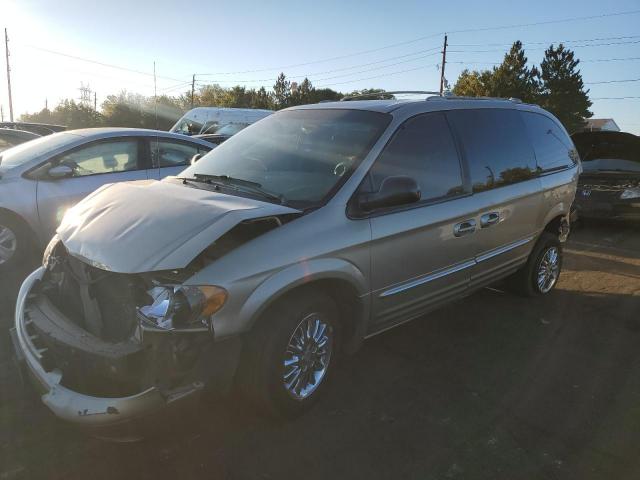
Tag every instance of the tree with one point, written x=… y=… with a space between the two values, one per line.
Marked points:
x=282 y=92
x=67 y=112
x=563 y=91
x=512 y=78
x=473 y=84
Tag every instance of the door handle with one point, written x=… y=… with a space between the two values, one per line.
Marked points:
x=489 y=219
x=464 y=228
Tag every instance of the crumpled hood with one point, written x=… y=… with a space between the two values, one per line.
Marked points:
x=153 y=225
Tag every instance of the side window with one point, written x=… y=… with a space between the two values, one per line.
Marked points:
x=422 y=148
x=553 y=148
x=103 y=157
x=496 y=146
x=165 y=153
x=5 y=144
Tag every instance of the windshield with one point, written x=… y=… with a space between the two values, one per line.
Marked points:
x=228 y=129
x=299 y=155
x=27 y=151
x=187 y=126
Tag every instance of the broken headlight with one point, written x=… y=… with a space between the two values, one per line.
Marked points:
x=183 y=306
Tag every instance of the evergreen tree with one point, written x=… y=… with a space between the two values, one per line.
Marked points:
x=282 y=92
x=512 y=78
x=563 y=91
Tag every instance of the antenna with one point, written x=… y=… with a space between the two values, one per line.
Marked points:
x=155 y=108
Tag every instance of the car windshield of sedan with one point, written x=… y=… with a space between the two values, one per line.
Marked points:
x=298 y=155
x=24 y=152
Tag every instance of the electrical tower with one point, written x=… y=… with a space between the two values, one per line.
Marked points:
x=85 y=94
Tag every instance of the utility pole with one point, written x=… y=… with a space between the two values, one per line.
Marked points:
x=6 y=49
x=444 y=61
x=46 y=103
x=95 y=102
x=193 y=88
x=1 y=114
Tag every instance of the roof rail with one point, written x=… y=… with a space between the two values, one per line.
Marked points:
x=380 y=94
x=464 y=97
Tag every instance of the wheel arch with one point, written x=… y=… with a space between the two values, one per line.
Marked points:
x=340 y=279
x=5 y=212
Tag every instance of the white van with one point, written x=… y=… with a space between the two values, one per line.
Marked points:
x=208 y=120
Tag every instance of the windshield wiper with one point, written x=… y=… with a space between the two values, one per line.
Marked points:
x=238 y=184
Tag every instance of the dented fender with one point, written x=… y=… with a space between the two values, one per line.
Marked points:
x=285 y=280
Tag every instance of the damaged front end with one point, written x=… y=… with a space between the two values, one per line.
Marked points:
x=109 y=348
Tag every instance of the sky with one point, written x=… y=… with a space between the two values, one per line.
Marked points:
x=111 y=46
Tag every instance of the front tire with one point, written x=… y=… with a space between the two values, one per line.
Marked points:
x=540 y=274
x=14 y=243
x=292 y=353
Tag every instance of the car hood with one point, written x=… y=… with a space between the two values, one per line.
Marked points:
x=153 y=225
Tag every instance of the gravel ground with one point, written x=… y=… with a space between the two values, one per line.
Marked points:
x=493 y=386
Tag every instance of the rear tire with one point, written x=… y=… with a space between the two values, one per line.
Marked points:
x=540 y=274
x=292 y=354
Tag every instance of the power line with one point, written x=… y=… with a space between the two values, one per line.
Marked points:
x=586 y=45
x=340 y=69
x=468 y=30
x=613 y=81
x=625 y=37
x=379 y=76
x=328 y=78
x=108 y=65
x=610 y=59
x=614 y=98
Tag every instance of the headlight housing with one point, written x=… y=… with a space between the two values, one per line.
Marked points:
x=180 y=307
x=630 y=193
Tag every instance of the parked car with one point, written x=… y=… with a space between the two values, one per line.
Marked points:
x=287 y=245
x=208 y=120
x=41 y=179
x=609 y=186
x=39 y=128
x=10 y=137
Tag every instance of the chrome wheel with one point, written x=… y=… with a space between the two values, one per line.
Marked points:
x=307 y=356
x=548 y=270
x=8 y=244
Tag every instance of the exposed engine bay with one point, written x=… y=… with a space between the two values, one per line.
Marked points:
x=115 y=334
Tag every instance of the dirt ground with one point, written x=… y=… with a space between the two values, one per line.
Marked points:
x=493 y=386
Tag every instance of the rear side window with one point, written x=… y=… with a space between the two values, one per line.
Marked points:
x=422 y=148
x=553 y=148
x=496 y=146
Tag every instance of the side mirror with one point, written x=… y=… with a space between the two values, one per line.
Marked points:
x=195 y=158
x=60 y=171
x=393 y=192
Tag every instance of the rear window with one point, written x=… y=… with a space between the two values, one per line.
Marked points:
x=495 y=145
x=553 y=148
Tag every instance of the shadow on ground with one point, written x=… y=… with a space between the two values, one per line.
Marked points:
x=494 y=386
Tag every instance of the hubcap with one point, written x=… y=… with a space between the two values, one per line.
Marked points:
x=8 y=244
x=307 y=356
x=548 y=270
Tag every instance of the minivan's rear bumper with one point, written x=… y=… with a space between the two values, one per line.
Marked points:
x=97 y=413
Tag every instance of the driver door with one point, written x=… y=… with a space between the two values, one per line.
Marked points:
x=93 y=165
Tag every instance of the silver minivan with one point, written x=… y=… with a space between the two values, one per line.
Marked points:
x=288 y=245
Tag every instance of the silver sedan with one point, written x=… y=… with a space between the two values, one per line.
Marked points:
x=41 y=179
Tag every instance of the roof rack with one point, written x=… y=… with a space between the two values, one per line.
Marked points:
x=462 y=97
x=380 y=94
